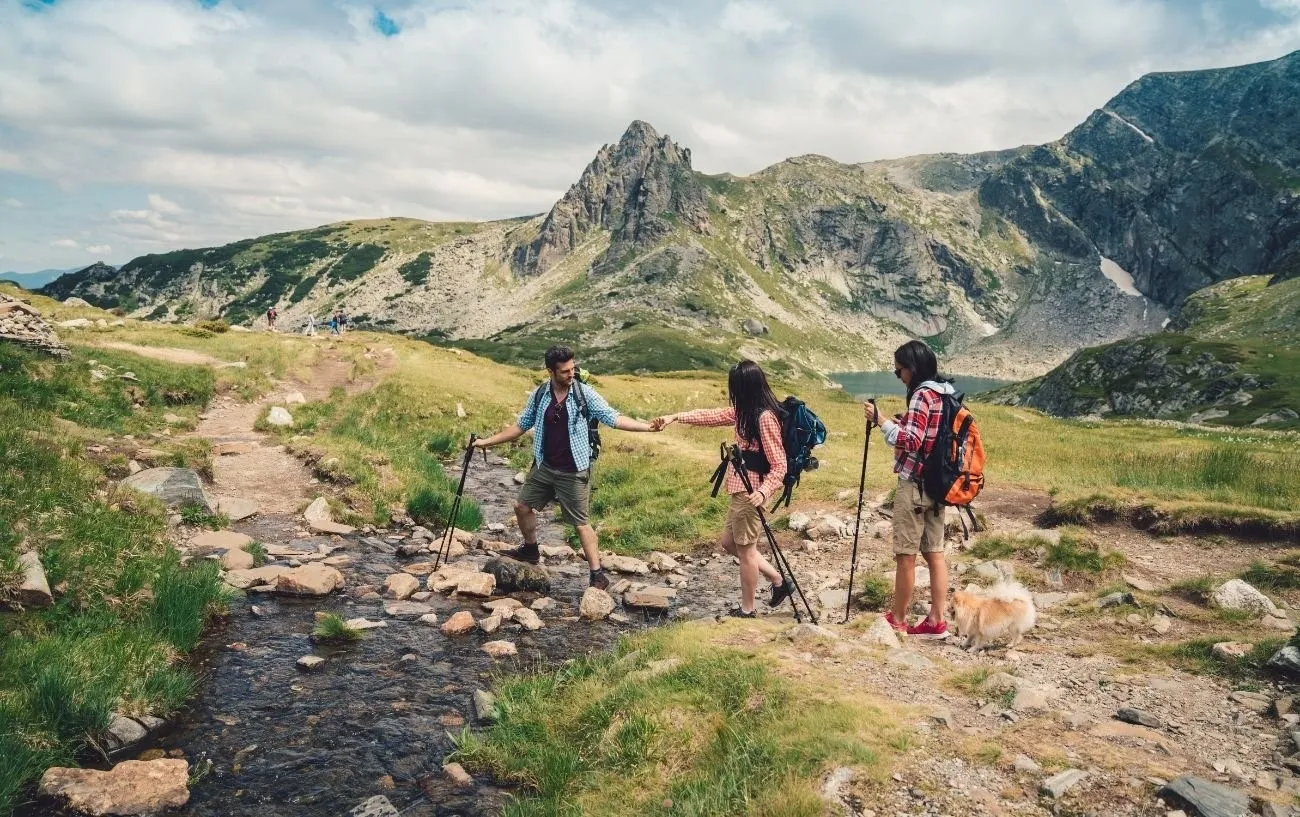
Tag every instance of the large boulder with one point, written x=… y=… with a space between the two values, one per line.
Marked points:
x=512 y=575
x=132 y=787
x=175 y=487
x=1201 y=797
x=1235 y=594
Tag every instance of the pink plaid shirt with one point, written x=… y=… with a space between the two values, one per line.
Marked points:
x=914 y=436
x=769 y=432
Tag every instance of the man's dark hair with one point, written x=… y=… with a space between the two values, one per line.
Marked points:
x=557 y=355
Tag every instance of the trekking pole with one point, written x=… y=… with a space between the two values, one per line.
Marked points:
x=782 y=564
x=449 y=534
x=857 y=521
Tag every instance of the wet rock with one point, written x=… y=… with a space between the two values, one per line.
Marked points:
x=377 y=806
x=1057 y=785
x=320 y=519
x=279 y=416
x=132 y=787
x=400 y=586
x=33 y=590
x=429 y=619
x=1236 y=594
x=881 y=633
x=502 y=605
x=310 y=663
x=485 y=706
x=556 y=551
x=365 y=624
x=1205 y=799
x=124 y=732
x=236 y=560
x=211 y=541
x=245 y=579
x=490 y=624
x=476 y=584
x=595 y=605
x=174 y=487
x=418 y=568
x=623 y=564
x=457 y=775
x=511 y=575
x=643 y=600
x=661 y=562
x=460 y=623
x=500 y=649
x=544 y=603
x=406 y=610
x=309 y=580
x=527 y=619
x=1137 y=716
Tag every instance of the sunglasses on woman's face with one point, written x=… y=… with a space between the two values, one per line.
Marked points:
x=898 y=372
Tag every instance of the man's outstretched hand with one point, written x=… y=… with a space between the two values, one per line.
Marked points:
x=660 y=423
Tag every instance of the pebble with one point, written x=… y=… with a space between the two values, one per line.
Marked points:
x=310 y=663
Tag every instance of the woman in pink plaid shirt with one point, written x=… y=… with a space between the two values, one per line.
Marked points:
x=756 y=415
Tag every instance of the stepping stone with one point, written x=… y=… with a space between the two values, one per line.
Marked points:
x=407 y=610
x=236 y=509
x=502 y=605
x=500 y=649
x=1201 y=797
x=1057 y=785
x=459 y=624
x=310 y=663
x=377 y=806
x=214 y=540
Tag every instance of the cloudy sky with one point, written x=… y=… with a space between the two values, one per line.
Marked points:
x=135 y=126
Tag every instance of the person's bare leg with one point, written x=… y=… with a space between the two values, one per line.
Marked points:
x=527 y=518
x=727 y=543
x=749 y=559
x=904 y=579
x=938 y=585
x=590 y=545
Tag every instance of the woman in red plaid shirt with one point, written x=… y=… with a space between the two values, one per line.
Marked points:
x=918 y=519
x=756 y=415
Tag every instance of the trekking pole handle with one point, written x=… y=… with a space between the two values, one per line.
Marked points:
x=872 y=401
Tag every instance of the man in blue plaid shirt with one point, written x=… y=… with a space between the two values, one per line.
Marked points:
x=557 y=414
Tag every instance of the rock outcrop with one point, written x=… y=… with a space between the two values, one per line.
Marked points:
x=22 y=324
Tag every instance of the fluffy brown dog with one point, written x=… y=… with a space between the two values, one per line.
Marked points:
x=984 y=615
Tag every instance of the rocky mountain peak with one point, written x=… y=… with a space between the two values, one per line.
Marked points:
x=638 y=189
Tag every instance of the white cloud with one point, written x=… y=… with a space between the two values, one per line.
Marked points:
x=185 y=126
x=14 y=203
x=65 y=243
x=99 y=249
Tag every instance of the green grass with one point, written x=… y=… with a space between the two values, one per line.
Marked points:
x=718 y=734
x=200 y=517
x=1198 y=656
x=1198 y=590
x=877 y=592
x=258 y=551
x=432 y=506
x=995 y=546
x=1272 y=577
x=332 y=629
x=126 y=610
x=970 y=681
x=1077 y=553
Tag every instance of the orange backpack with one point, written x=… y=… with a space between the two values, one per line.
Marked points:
x=953 y=473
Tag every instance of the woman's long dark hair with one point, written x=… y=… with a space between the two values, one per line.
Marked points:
x=749 y=393
x=920 y=359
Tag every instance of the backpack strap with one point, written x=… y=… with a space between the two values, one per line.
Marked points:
x=720 y=474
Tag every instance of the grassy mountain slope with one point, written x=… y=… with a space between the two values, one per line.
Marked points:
x=1182 y=179
x=1232 y=356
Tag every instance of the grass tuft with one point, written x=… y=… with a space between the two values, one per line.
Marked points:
x=200 y=517
x=1077 y=553
x=877 y=592
x=258 y=551
x=332 y=629
x=1272 y=577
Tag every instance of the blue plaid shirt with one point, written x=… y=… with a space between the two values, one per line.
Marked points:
x=578 y=442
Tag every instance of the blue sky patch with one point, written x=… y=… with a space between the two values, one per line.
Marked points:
x=384 y=24
x=207 y=4
x=38 y=5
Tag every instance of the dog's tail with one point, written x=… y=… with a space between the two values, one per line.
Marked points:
x=1015 y=592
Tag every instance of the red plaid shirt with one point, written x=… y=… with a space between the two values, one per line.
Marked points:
x=914 y=436
x=769 y=433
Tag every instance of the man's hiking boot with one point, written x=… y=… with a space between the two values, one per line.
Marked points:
x=599 y=580
x=928 y=629
x=739 y=613
x=781 y=592
x=525 y=553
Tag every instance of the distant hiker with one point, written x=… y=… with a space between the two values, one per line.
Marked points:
x=311 y=325
x=334 y=323
x=756 y=415
x=918 y=519
x=343 y=321
x=562 y=414
x=270 y=319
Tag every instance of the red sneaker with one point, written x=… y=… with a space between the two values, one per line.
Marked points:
x=928 y=629
x=901 y=629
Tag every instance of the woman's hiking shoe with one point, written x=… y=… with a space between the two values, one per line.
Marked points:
x=901 y=629
x=525 y=553
x=781 y=592
x=599 y=580
x=739 y=613
x=928 y=629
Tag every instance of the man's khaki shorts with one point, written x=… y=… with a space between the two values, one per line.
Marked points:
x=742 y=521
x=571 y=491
x=918 y=523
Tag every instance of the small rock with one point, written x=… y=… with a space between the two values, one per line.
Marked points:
x=1137 y=716
x=1026 y=764
x=236 y=560
x=279 y=416
x=1161 y=624
x=310 y=663
x=1286 y=660
x=429 y=619
x=806 y=633
x=944 y=718
x=132 y=787
x=1115 y=600
x=33 y=590
x=235 y=509
x=1046 y=601
x=499 y=649
x=490 y=624
x=510 y=575
x=881 y=633
x=544 y=603
x=596 y=604
x=400 y=586
x=521 y=478
x=798 y=521
x=643 y=600
x=1254 y=701
x=623 y=564
x=1030 y=698
x=908 y=659
x=485 y=706
x=1233 y=650
x=457 y=774
x=295 y=397
x=476 y=584
x=503 y=606
x=661 y=562
x=460 y=623
x=406 y=610
x=1057 y=785
x=527 y=619
x=1236 y=594
x=211 y=541
x=365 y=624
x=556 y=551
x=309 y=580
x=377 y=806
